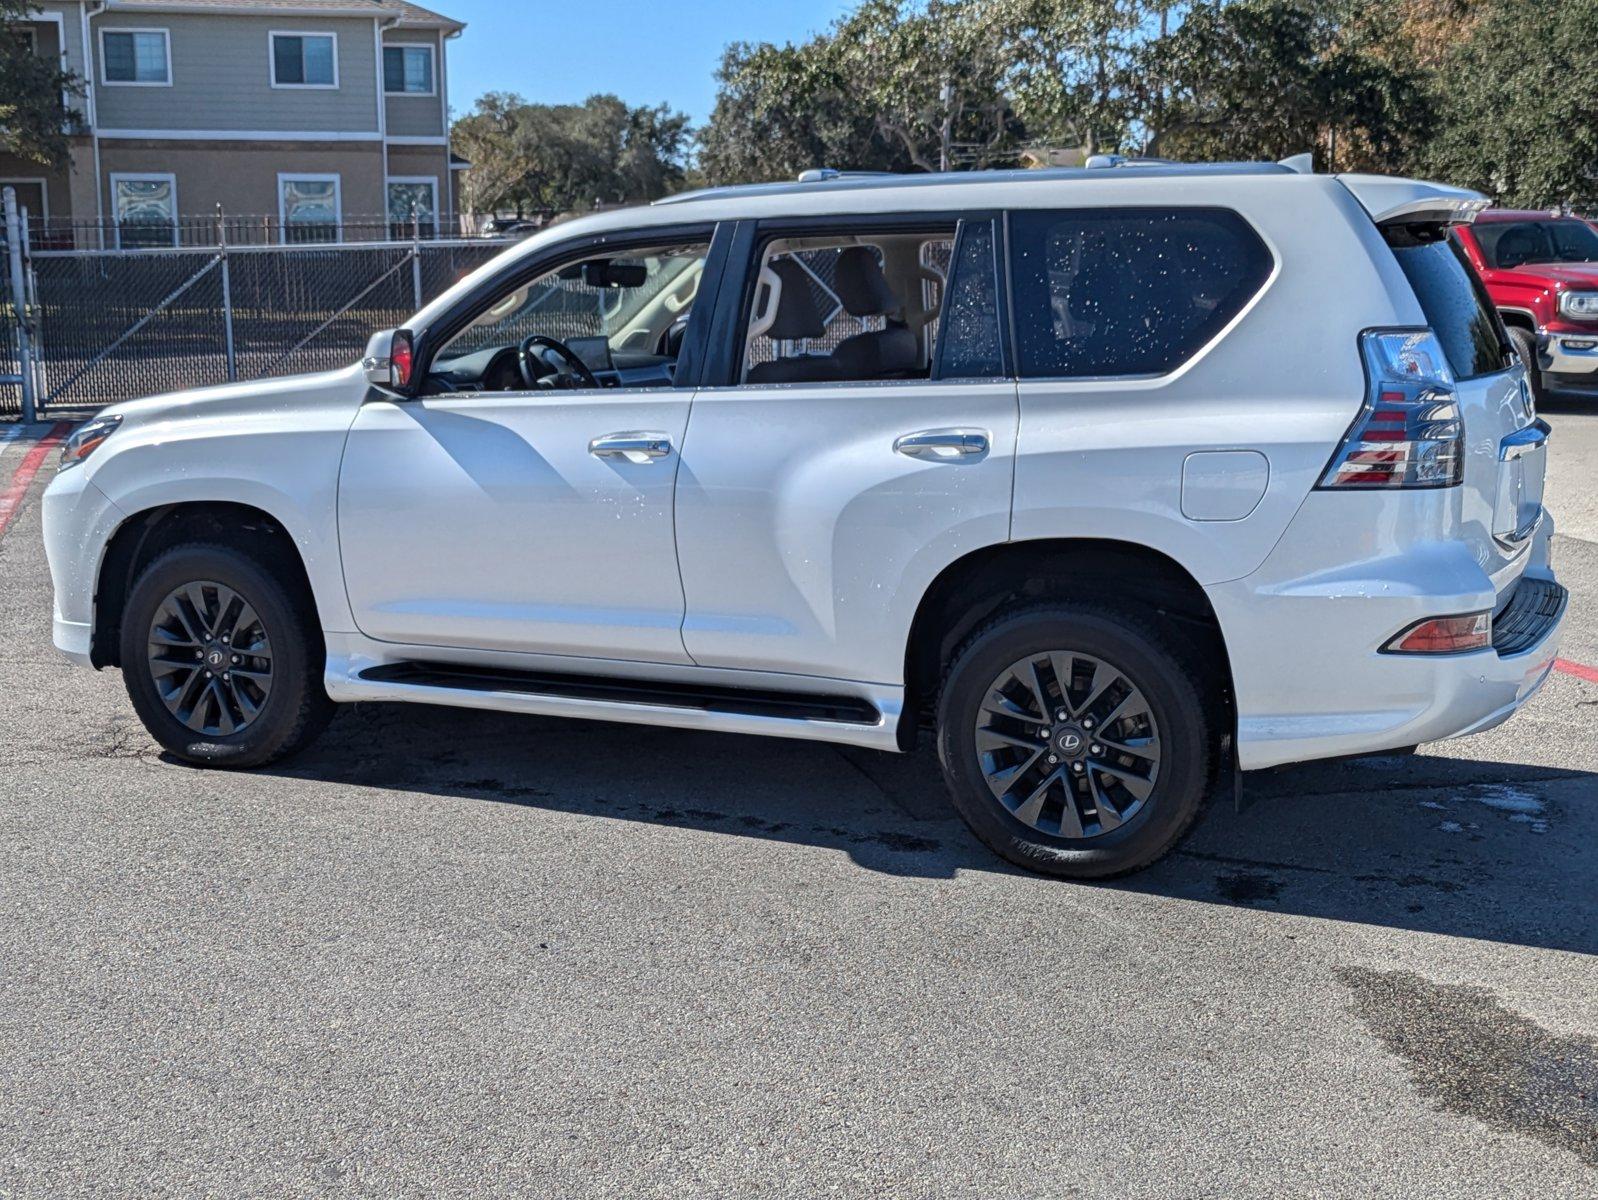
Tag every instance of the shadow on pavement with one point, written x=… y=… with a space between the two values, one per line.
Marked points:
x=1487 y=850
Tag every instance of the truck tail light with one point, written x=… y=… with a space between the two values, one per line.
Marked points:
x=1445 y=635
x=1410 y=433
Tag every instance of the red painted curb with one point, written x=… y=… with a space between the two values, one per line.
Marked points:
x=1579 y=670
x=17 y=490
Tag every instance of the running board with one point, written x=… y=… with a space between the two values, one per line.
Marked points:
x=851 y=720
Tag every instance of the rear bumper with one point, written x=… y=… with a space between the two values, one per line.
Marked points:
x=1312 y=682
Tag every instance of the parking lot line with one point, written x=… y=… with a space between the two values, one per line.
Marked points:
x=11 y=499
x=1579 y=670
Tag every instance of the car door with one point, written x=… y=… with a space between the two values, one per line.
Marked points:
x=815 y=506
x=531 y=519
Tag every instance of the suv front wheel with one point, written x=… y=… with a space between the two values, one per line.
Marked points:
x=1074 y=740
x=221 y=658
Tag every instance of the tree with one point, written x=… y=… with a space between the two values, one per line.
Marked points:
x=1258 y=79
x=784 y=109
x=32 y=116
x=560 y=157
x=1519 y=112
x=932 y=75
x=1077 y=69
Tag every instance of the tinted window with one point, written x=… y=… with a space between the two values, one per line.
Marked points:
x=1455 y=306
x=1131 y=291
x=971 y=348
x=1510 y=243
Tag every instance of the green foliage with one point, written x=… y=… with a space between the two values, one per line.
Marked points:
x=1518 y=105
x=1270 y=78
x=783 y=109
x=562 y=157
x=32 y=116
x=1498 y=95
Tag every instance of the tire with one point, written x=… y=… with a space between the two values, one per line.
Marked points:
x=281 y=682
x=1172 y=771
x=1526 y=347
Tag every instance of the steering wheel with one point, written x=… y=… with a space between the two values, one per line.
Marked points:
x=577 y=367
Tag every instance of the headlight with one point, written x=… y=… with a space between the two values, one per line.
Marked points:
x=86 y=439
x=1581 y=305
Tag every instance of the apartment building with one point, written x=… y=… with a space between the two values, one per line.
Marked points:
x=304 y=120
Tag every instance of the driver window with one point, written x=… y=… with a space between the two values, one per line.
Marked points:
x=616 y=319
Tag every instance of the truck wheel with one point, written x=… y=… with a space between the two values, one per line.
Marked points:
x=222 y=660
x=1526 y=347
x=1074 y=740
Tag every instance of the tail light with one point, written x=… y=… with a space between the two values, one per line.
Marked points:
x=1410 y=434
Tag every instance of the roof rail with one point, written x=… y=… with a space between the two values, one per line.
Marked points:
x=1097 y=162
x=827 y=174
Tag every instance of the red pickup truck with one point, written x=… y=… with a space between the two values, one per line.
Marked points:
x=1541 y=271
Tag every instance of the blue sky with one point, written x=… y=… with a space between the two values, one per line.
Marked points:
x=645 y=51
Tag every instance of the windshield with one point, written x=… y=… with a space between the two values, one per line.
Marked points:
x=1511 y=243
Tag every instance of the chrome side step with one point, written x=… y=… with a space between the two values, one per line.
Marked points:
x=849 y=720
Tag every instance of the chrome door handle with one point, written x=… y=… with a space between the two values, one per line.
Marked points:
x=943 y=443
x=634 y=447
x=1524 y=441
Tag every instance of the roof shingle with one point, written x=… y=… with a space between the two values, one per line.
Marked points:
x=408 y=13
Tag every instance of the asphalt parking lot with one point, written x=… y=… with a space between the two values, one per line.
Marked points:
x=457 y=954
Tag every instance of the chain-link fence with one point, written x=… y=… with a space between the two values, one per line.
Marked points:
x=117 y=325
x=10 y=368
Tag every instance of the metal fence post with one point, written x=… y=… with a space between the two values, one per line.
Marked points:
x=19 y=304
x=227 y=297
x=416 y=257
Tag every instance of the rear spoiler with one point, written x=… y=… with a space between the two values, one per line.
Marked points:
x=1392 y=202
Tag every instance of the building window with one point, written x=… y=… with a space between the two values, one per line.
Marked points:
x=146 y=210
x=412 y=207
x=304 y=60
x=408 y=70
x=309 y=207
x=135 y=57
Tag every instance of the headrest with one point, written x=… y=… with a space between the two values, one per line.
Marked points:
x=797 y=314
x=861 y=285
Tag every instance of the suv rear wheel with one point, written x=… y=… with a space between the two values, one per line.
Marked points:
x=1074 y=740
x=221 y=659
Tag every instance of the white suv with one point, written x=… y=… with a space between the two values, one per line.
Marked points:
x=1118 y=480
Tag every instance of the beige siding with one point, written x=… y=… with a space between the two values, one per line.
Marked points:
x=71 y=29
x=35 y=181
x=221 y=78
x=417 y=116
x=423 y=162
x=242 y=176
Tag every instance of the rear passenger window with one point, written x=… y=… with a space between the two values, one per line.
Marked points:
x=1456 y=307
x=1128 y=291
x=835 y=307
x=970 y=338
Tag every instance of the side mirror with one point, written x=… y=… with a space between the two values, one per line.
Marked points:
x=389 y=360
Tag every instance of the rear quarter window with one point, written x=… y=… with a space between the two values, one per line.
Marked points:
x=1456 y=306
x=1128 y=291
